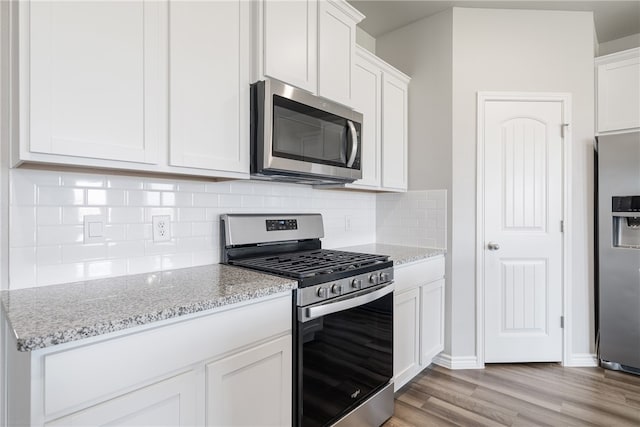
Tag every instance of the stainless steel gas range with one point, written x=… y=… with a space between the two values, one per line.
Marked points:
x=342 y=316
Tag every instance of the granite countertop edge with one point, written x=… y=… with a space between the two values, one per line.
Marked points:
x=34 y=336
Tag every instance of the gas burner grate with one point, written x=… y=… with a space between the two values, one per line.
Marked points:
x=301 y=265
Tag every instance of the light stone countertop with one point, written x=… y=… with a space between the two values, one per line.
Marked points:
x=399 y=254
x=50 y=315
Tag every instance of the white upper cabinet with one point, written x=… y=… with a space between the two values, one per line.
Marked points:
x=289 y=46
x=395 y=113
x=618 y=91
x=309 y=44
x=90 y=79
x=209 y=85
x=155 y=86
x=336 y=44
x=380 y=93
x=367 y=99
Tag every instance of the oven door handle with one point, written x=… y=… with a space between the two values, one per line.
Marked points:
x=311 y=313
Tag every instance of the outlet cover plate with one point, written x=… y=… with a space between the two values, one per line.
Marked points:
x=161 y=228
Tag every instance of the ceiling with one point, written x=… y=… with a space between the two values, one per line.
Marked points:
x=613 y=19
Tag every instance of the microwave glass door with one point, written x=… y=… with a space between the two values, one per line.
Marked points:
x=311 y=135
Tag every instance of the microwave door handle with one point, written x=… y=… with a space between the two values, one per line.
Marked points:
x=354 y=143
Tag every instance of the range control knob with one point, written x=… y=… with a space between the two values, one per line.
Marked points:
x=374 y=278
x=384 y=277
x=356 y=283
x=322 y=292
x=336 y=288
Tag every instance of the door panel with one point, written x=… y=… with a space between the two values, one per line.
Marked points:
x=522 y=229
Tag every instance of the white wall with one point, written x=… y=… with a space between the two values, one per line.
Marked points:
x=618 y=45
x=500 y=50
x=47 y=209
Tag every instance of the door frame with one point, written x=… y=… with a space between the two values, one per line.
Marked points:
x=567 y=148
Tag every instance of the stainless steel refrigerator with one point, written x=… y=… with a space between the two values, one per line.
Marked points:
x=618 y=240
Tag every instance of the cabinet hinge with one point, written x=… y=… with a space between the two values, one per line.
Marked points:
x=562 y=226
x=563 y=127
x=562 y=322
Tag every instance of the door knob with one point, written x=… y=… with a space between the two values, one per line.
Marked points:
x=493 y=246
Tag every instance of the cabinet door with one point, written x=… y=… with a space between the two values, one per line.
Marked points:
x=619 y=95
x=209 y=85
x=252 y=387
x=171 y=402
x=394 y=133
x=336 y=44
x=431 y=321
x=406 y=338
x=367 y=98
x=289 y=43
x=91 y=79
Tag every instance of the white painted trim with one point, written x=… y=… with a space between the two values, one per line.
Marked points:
x=454 y=363
x=582 y=360
x=567 y=149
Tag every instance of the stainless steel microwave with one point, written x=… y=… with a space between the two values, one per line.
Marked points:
x=299 y=137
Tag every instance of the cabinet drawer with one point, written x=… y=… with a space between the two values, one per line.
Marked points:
x=418 y=273
x=84 y=375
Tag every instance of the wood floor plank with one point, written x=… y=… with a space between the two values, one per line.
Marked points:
x=533 y=394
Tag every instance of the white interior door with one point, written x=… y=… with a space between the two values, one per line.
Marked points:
x=523 y=277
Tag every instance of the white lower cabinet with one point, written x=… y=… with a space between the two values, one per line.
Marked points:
x=418 y=318
x=406 y=336
x=230 y=366
x=251 y=388
x=168 y=402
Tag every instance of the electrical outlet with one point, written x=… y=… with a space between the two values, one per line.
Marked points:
x=161 y=228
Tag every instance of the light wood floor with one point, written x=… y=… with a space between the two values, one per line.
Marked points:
x=533 y=394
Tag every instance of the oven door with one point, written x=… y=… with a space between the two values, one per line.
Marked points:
x=344 y=354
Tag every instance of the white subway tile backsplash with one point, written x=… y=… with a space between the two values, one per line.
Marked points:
x=47 y=210
x=48 y=235
x=60 y=196
x=176 y=199
x=60 y=273
x=75 y=215
x=124 y=182
x=160 y=185
x=49 y=255
x=143 y=198
x=125 y=215
x=97 y=269
x=106 y=197
x=144 y=264
x=49 y=215
x=205 y=200
x=23 y=226
x=83 y=252
x=77 y=180
x=22 y=267
x=192 y=214
x=414 y=218
x=127 y=249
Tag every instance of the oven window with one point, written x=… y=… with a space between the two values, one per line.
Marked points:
x=343 y=358
x=304 y=133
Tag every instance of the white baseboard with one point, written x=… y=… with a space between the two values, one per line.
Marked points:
x=463 y=362
x=582 y=360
